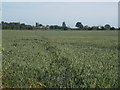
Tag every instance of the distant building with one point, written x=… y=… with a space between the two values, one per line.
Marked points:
x=40 y=26
x=99 y=27
x=74 y=28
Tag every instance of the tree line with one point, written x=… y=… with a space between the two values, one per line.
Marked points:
x=78 y=25
x=15 y=26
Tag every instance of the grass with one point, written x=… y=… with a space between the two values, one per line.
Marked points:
x=76 y=59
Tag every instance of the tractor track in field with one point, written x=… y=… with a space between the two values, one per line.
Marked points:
x=64 y=73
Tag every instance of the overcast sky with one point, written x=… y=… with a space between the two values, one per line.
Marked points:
x=47 y=13
x=60 y=0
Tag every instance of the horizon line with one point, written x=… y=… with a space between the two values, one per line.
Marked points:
x=55 y=24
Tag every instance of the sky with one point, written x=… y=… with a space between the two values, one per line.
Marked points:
x=54 y=13
x=60 y=0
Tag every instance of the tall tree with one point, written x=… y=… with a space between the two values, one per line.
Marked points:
x=37 y=24
x=64 y=26
x=79 y=25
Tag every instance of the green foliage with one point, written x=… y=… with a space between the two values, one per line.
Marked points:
x=22 y=26
x=64 y=27
x=79 y=25
x=55 y=27
x=16 y=26
x=107 y=27
x=76 y=59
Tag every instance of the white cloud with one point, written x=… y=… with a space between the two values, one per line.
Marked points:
x=60 y=0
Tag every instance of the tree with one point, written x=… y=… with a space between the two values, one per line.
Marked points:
x=2 y=22
x=86 y=27
x=40 y=25
x=112 y=28
x=16 y=26
x=64 y=26
x=94 y=27
x=51 y=27
x=102 y=28
x=79 y=25
x=37 y=24
x=107 y=27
